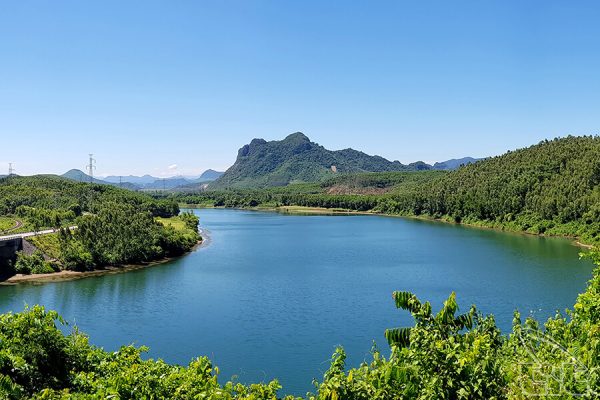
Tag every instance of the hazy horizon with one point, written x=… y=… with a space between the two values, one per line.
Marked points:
x=173 y=170
x=174 y=89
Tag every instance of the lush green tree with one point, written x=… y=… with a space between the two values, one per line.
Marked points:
x=33 y=264
x=114 y=226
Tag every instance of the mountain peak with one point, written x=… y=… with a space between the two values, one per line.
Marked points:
x=210 y=175
x=454 y=163
x=80 y=176
x=297 y=136
x=297 y=159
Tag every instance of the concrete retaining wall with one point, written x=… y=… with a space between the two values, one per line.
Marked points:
x=8 y=254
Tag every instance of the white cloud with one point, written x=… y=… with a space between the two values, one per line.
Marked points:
x=172 y=167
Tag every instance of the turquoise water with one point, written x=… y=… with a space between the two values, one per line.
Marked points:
x=271 y=295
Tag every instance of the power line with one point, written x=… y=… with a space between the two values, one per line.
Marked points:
x=91 y=167
x=11 y=170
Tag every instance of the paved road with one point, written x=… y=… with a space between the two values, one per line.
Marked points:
x=28 y=234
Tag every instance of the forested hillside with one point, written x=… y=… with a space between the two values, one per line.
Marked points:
x=37 y=198
x=552 y=187
x=114 y=226
x=297 y=159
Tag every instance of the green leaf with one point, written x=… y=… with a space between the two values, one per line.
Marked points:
x=398 y=337
x=407 y=301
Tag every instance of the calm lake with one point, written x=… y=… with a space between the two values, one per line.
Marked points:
x=271 y=295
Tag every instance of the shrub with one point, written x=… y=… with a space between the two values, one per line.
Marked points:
x=33 y=264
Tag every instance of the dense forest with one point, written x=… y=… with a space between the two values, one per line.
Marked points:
x=445 y=355
x=549 y=188
x=97 y=225
x=296 y=159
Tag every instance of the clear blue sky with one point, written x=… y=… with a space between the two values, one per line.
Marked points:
x=150 y=84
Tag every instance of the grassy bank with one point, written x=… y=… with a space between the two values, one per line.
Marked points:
x=48 y=244
x=7 y=223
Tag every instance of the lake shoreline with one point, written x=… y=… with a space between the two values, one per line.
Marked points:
x=66 y=275
x=301 y=210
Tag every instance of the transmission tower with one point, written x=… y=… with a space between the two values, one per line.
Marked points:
x=91 y=167
x=11 y=170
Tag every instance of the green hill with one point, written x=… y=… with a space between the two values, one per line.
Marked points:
x=80 y=176
x=57 y=194
x=297 y=159
x=209 y=175
x=539 y=188
x=454 y=163
x=114 y=226
x=552 y=187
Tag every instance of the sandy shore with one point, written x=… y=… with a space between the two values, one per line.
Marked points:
x=62 y=276
x=300 y=210
x=585 y=246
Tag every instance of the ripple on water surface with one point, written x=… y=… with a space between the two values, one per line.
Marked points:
x=272 y=295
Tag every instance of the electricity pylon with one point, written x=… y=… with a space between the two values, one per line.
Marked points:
x=91 y=167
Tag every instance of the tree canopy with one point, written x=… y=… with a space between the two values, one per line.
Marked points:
x=113 y=226
x=552 y=188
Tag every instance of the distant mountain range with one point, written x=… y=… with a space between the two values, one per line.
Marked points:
x=454 y=163
x=297 y=159
x=294 y=159
x=209 y=175
x=146 y=182
x=136 y=180
x=80 y=176
x=149 y=180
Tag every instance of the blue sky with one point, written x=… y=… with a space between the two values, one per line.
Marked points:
x=145 y=85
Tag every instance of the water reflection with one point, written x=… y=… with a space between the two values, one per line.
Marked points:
x=272 y=295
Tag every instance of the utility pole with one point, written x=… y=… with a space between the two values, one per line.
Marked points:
x=120 y=181
x=11 y=170
x=91 y=167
